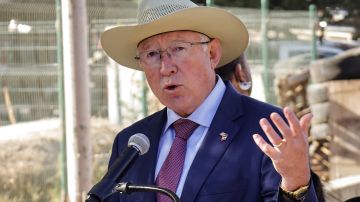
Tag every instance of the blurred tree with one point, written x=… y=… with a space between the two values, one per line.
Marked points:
x=288 y=4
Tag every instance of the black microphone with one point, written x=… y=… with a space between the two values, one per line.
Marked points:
x=138 y=145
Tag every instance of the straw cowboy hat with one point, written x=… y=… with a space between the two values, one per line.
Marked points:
x=160 y=16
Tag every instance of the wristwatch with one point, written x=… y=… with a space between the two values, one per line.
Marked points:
x=298 y=194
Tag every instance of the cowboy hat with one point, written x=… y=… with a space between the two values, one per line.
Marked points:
x=160 y=16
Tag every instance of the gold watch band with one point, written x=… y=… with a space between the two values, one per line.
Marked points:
x=298 y=194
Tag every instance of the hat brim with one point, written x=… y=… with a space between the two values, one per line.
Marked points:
x=120 y=42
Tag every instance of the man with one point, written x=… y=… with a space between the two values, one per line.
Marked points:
x=202 y=147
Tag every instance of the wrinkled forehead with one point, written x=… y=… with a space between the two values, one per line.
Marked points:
x=171 y=36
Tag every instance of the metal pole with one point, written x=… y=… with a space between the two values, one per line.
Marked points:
x=118 y=93
x=209 y=2
x=313 y=23
x=77 y=98
x=113 y=85
x=64 y=191
x=144 y=95
x=264 y=46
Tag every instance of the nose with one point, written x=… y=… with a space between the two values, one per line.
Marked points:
x=164 y=52
x=167 y=65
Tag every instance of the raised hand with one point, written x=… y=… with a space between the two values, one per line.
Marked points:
x=289 y=154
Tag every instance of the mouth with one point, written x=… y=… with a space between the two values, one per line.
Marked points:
x=171 y=87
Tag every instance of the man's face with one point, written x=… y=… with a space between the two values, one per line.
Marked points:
x=184 y=76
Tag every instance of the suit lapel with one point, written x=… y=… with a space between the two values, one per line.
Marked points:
x=145 y=166
x=212 y=147
x=154 y=128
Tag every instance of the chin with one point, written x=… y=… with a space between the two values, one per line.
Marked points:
x=180 y=109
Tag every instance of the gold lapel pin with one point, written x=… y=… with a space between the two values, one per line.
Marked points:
x=223 y=136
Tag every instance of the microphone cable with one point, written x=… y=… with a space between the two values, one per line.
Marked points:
x=128 y=188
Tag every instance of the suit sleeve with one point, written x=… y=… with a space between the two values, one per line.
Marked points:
x=269 y=180
x=114 y=151
x=114 y=154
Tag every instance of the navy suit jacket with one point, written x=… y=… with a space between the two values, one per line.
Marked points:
x=233 y=170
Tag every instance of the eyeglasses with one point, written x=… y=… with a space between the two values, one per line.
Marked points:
x=176 y=50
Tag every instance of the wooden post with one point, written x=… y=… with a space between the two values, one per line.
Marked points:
x=8 y=105
x=344 y=115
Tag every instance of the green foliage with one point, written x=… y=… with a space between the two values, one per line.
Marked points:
x=287 y=4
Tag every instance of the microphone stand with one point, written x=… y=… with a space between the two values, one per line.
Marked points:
x=128 y=188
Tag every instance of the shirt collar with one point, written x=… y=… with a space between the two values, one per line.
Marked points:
x=204 y=114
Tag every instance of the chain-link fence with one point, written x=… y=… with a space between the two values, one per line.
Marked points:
x=29 y=83
x=28 y=63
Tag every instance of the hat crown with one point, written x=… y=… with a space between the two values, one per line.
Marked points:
x=150 y=10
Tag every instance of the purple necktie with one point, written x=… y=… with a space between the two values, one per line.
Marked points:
x=171 y=170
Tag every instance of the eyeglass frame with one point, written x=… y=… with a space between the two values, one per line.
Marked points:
x=138 y=57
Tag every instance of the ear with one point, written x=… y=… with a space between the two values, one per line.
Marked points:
x=242 y=74
x=215 y=51
x=239 y=73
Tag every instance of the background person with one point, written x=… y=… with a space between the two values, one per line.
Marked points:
x=238 y=73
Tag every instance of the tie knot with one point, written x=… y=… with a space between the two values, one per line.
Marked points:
x=184 y=128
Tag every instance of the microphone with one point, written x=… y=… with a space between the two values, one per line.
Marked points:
x=138 y=144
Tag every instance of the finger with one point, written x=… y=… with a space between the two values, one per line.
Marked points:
x=264 y=146
x=274 y=138
x=281 y=125
x=305 y=123
x=294 y=122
